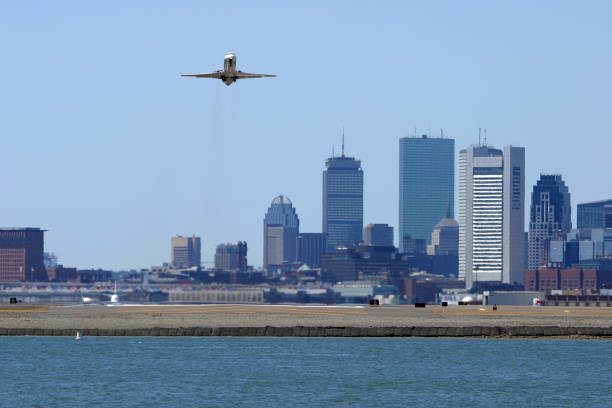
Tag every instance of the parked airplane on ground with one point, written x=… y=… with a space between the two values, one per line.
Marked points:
x=229 y=74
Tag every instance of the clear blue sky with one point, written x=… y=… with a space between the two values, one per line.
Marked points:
x=104 y=145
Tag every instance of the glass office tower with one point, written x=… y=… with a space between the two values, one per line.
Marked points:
x=426 y=185
x=342 y=201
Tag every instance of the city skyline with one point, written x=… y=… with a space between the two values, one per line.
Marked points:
x=107 y=136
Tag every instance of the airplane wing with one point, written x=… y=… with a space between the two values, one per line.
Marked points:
x=216 y=74
x=240 y=74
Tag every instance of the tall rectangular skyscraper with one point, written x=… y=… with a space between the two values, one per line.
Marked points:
x=342 y=201
x=491 y=214
x=426 y=185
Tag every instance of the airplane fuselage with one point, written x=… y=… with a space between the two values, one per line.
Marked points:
x=229 y=69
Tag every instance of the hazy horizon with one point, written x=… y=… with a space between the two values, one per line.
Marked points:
x=114 y=153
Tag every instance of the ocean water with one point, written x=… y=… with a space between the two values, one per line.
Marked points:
x=311 y=372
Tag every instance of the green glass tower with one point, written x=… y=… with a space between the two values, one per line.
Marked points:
x=426 y=185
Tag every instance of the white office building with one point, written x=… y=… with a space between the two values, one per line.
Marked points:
x=491 y=214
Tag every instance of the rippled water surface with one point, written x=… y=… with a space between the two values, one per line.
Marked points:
x=282 y=372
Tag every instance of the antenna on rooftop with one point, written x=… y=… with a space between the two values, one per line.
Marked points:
x=333 y=153
x=342 y=141
x=485 y=141
x=479 y=130
x=441 y=133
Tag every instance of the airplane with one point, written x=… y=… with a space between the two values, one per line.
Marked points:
x=229 y=74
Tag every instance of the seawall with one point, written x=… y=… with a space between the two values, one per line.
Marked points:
x=304 y=331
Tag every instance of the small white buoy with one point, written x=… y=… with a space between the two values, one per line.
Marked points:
x=78 y=336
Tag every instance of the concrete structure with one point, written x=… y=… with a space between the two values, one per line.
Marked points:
x=281 y=227
x=231 y=256
x=550 y=212
x=247 y=295
x=310 y=246
x=21 y=255
x=597 y=214
x=342 y=201
x=360 y=292
x=491 y=214
x=378 y=235
x=511 y=298
x=445 y=237
x=426 y=185
x=186 y=251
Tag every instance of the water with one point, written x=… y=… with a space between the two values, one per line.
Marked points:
x=284 y=372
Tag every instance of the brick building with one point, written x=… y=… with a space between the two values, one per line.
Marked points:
x=21 y=255
x=574 y=278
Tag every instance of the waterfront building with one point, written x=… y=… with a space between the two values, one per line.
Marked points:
x=186 y=251
x=342 y=201
x=550 y=212
x=310 y=246
x=378 y=235
x=426 y=185
x=281 y=227
x=491 y=214
x=21 y=255
x=230 y=257
x=597 y=214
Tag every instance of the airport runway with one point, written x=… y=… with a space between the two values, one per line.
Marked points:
x=225 y=315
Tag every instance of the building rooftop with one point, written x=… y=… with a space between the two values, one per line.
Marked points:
x=597 y=203
x=281 y=199
x=21 y=229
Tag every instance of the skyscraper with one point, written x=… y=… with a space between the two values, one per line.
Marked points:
x=281 y=227
x=491 y=214
x=550 y=212
x=21 y=255
x=426 y=185
x=342 y=201
x=186 y=251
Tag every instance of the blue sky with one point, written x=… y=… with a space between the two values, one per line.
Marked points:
x=104 y=145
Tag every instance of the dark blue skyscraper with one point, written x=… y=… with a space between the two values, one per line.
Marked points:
x=550 y=212
x=426 y=185
x=342 y=201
